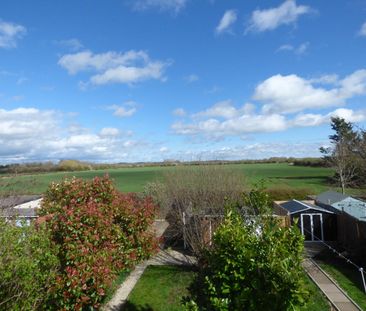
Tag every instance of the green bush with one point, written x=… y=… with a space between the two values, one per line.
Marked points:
x=288 y=193
x=28 y=267
x=253 y=264
x=100 y=232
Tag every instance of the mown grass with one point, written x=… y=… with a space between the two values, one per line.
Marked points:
x=317 y=302
x=161 y=288
x=134 y=179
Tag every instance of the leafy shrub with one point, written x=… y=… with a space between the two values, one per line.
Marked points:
x=28 y=266
x=288 y=193
x=253 y=264
x=100 y=232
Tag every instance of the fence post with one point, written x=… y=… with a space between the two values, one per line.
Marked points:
x=184 y=230
x=363 y=279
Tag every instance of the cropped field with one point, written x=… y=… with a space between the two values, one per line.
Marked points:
x=134 y=179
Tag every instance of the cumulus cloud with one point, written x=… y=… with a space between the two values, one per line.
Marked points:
x=227 y=20
x=282 y=103
x=224 y=119
x=269 y=19
x=311 y=119
x=10 y=33
x=162 y=5
x=22 y=128
x=226 y=110
x=291 y=93
x=113 y=67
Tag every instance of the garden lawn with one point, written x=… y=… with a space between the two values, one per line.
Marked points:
x=133 y=179
x=317 y=302
x=161 y=288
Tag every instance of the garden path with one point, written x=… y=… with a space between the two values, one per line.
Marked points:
x=164 y=257
x=338 y=298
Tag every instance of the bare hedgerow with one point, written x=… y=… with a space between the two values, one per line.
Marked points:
x=189 y=193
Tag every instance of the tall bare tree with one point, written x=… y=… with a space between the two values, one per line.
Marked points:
x=341 y=154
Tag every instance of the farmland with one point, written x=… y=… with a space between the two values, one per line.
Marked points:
x=133 y=179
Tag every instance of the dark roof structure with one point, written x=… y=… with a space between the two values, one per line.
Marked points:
x=18 y=212
x=11 y=201
x=295 y=206
x=330 y=197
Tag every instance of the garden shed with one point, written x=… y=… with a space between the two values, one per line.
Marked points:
x=351 y=220
x=315 y=222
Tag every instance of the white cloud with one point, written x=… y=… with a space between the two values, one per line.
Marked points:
x=128 y=109
x=113 y=67
x=179 y=112
x=311 y=119
x=227 y=20
x=225 y=110
x=163 y=5
x=30 y=134
x=362 y=31
x=252 y=151
x=72 y=44
x=288 y=94
x=325 y=79
x=282 y=101
x=191 y=78
x=287 y=13
x=10 y=33
x=109 y=131
x=164 y=149
x=224 y=119
x=298 y=50
x=291 y=93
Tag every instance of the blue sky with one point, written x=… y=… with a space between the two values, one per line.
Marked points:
x=148 y=80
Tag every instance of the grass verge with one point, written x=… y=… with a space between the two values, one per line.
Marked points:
x=347 y=277
x=317 y=302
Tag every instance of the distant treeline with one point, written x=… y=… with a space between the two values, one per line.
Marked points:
x=75 y=165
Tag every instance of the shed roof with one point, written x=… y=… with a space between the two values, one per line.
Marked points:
x=330 y=197
x=354 y=207
x=295 y=206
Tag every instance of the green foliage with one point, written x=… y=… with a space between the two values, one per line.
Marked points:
x=288 y=193
x=99 y=232
x=254 y=264
x=257 y=199
x=28 y=266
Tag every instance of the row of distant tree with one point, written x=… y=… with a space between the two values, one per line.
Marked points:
x=347 y=153
x=76 y=165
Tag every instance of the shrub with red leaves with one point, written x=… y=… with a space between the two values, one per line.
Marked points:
x=100 y=232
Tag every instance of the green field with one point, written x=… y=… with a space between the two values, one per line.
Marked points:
x=134 y=179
